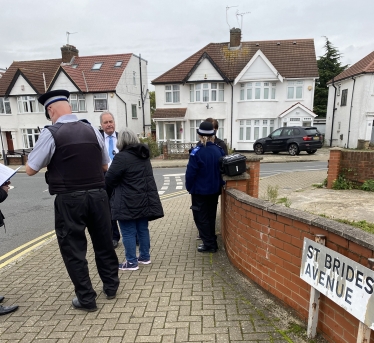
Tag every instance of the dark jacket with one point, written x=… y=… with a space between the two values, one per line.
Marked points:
x=222 y=144
x=132 y=186
x=3 y=196
x=203 y=174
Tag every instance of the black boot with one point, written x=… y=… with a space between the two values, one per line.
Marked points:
x=7 y=309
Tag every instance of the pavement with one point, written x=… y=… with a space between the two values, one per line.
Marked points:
x=182 y=296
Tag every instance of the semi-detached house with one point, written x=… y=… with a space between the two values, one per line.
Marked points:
x=96 y=83
x=251 y=88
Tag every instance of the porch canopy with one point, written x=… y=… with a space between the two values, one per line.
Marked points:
x=169 y=113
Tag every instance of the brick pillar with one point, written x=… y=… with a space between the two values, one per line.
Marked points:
x=253 y=170
x=333 y=166
x=165 y=150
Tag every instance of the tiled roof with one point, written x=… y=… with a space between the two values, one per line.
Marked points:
x=292 y=58
x=161 y=113
x=366 y=65
x=33 y=71
x=105 y=79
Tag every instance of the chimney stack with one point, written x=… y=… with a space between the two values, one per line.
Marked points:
x=235 y=38
x=68 y=52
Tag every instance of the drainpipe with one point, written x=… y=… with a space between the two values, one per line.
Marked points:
x=350 y=111
x=232 y=112
x=333 y=112
x=125 y=106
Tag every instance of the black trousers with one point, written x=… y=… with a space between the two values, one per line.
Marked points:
x=204 y=210
x=115 y=231
x=73 y=213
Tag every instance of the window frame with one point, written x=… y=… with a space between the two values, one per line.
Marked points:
x=28 y=100
x=80 y=98
x=252 y=127
x=34 y=135
x=134 y=114
x=97 y=65
x=343 y=101
x=295 y=86
x=255 y=91
x=207 y=92
x=172 y=94
x=97 y=98
x=4 y=101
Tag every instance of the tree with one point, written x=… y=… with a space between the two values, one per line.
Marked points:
x=152 y=101
x=329 y=66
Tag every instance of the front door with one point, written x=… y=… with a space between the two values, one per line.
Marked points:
x=9 y=140
x=170 y=132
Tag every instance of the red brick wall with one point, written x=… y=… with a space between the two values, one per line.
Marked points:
x=265 y=242
x=356 y=166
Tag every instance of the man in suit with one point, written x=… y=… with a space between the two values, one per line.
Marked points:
x=108 y=130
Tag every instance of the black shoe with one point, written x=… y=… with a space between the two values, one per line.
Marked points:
x=204 y=248
x=115 y=243
x=109 y=297
x=7 y=309
x=1 y=298
x=77 y=305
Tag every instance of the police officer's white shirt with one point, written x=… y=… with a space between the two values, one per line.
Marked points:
x=106 y=140
x=45 y=147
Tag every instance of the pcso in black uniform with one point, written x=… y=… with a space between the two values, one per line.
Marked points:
x=74 y=154
x=204 y=183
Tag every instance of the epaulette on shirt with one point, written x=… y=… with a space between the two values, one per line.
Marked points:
x=195 y=150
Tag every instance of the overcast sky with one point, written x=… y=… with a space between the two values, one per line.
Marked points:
x=165 y=32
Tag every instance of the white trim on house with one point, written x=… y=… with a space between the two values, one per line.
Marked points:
x=255 y=62
x=22 y=87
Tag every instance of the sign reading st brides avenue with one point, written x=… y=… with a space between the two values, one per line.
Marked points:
x=344 y=281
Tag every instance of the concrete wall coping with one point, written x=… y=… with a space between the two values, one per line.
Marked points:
x=337 y=148
x=243 y=176
x=346 y=231
x=254 y=158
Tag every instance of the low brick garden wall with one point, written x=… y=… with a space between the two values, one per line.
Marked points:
x=265 y=241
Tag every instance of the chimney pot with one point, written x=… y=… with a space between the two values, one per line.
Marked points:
x=68 y=52
x=235 y=37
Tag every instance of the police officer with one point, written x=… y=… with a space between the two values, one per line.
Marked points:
x=204 y=183
x=73 y=152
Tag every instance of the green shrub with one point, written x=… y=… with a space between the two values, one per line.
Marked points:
x=285 y=201
x=342 y=183
x=154 y=149
x=368 y=185
x=272 y=193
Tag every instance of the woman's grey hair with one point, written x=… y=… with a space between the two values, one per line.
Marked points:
x=126 y=137
x=105 y=112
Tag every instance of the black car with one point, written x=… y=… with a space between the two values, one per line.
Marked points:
x=292 y=139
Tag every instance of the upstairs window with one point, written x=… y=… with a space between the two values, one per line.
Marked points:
x=343 y=102
x=172 y=94
x=5 y=106
x=77 y=102
x=28 y=104
x=134 y=78
x=295 y=90
x=100 y=102
x=29 y=137
x=118 y=64
x=207 y=92
x=258 y=91
x=97 y=66
x=134 y=111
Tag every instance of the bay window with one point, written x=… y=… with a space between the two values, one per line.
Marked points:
x=258 y=91
x=252 y=129
x=207 y=92
x=29 y=137
x=28 y=104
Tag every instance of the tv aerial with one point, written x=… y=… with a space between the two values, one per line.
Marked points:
x=68 y=34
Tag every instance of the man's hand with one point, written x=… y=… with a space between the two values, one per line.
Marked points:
x=30 y=171
x=5 y=186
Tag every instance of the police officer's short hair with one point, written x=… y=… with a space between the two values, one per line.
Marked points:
x=126 y=137
x=105 y=112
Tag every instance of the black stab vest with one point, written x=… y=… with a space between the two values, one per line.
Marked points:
x=76 y=164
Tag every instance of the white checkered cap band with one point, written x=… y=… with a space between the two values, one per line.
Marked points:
x=209 y=132
x=54 y=99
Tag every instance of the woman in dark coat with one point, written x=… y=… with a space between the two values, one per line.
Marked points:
x=134 y=197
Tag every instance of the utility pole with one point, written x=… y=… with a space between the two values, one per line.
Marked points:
x=141 y=91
